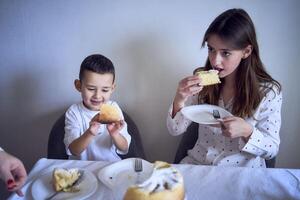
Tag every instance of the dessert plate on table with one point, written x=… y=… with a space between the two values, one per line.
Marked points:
x=203 y=114
x=120 y=175
x=42 y=187
x=122 y=172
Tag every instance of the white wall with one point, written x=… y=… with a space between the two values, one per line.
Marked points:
x=153 y=44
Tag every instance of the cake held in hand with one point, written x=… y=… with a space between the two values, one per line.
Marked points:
x=210 y=77
x=64 y=179
x=164 y=183
x=109 y=114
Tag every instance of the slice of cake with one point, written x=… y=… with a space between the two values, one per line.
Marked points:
x=164 y=183
x=64 y=179
x=210 y=77
x=109 y=114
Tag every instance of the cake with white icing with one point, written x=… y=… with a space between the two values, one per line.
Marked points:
x=165 y=183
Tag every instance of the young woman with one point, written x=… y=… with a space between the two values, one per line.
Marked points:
x=246 y=90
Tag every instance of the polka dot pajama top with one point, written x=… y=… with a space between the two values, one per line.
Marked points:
x=212 y=148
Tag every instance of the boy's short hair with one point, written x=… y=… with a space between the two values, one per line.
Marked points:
x=97 y=63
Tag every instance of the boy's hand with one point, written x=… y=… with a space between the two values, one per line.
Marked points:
x=94 y=125
x=115 y=128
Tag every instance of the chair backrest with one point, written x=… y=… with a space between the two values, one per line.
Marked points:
x=187 y=142
x=136 y=147
x=271 y=163
x=189 y=139
x=56 y=146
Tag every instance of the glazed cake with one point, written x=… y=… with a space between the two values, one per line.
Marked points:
x=108 y=114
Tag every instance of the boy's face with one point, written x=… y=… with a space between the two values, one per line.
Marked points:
x=95 y=89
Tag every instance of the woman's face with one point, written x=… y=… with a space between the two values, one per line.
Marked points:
x=222 y=57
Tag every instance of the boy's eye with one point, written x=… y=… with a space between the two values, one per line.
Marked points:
x=91 y=89
x=105 y=90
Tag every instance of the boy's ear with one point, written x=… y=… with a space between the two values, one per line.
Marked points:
x=247 y=51
x=77 y=85
x=113 y=87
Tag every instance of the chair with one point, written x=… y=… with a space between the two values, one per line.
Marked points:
x=189 y=139
x=187 y=142
x=56 y=146
x=271 y=163
x=136 y=148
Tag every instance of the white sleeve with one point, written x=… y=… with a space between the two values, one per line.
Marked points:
x=72 y=129
x=265 y=140
x=123 y=132
x=179 y=123
x=1 y=149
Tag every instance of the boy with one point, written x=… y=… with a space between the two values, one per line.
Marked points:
x=85 y=138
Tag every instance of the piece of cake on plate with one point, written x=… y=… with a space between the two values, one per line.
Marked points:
x=165 y=183
x=64 y=179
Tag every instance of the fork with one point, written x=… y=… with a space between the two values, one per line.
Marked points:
x=73 y=186
x=217 y=116
x=138 y=167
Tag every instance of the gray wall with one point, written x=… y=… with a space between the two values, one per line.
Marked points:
x=153 y=44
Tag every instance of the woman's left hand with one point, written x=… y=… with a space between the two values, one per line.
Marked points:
x=236 y=127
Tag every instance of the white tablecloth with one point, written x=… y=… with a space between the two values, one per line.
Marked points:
x=201 y=182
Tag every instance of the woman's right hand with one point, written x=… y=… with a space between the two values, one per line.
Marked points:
x=13 y=172
x=187 y=87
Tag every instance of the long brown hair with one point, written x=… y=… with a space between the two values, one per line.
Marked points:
x=236 y=28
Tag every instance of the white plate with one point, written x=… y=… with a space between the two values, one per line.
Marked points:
x=203 y=114
x=120 y=175
x=42 y=187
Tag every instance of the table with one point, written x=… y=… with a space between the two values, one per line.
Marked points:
x=201 y=182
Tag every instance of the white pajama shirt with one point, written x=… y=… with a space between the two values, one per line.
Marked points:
x=212 y=148
x=101 y=147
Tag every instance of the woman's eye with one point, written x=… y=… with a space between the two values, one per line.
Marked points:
x=226 y=53
x=211 y=50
